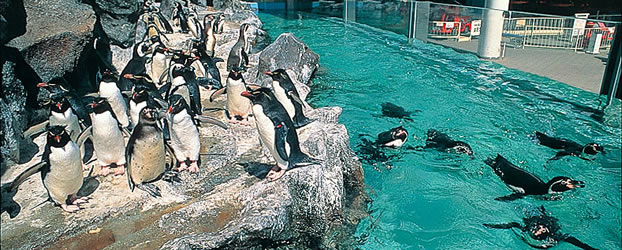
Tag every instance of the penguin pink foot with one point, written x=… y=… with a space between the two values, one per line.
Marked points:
x=76 y=200
x=70 y=208
x=120 y=170
x=193 y=168
x=275 y=173
x=105 y=170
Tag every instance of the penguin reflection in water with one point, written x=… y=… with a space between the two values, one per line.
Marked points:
x=524 y=183
x=540 y=231
x=61 y=170
x=569 y=148
x=276 y=132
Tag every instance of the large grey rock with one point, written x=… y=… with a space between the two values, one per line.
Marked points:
x=12 y=20
x=286 y=52
x=231 y=4
x=118 y=19
x=58 y=34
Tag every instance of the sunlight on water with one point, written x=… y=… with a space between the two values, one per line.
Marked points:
x=435 y=200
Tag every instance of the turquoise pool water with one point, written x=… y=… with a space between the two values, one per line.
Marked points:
x=436 y=200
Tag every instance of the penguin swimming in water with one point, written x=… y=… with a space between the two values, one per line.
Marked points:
x=238 y=106
x=442 y=142
x=524 y=183
x=540 y=231
x=394 y=138
x=394 y=111
x=61 y=170
x=185 y=139
x=286 y=93
x=107 y=137
x=276 y=132
x=568 y=147
x=238 y=57
x=109 y=90
x=146 y=154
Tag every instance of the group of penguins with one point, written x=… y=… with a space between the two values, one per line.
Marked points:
x=163 y=112
x=542 y=229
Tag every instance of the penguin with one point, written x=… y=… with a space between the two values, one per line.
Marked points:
x=138 y=101
x=61 y=170
x=58 y=86
x=193 y=89
x=524 y=183
x=442 y=142
x=62 y=114
x=395 y=111
x=109 y=90
x=146 y=153
x=136 y=66
x=394 y=138
x=541 y=231
x=180 y=18
x=107 y=137
x=238 y=107
x=220 y=23
x=237 y=56
x=159 y=63
x=194 y=25
x=185 y=139
x=178 y=84
x=207 y=71
x=208 y=38
x=276 y=132
x=569 y=148
x=286 y=93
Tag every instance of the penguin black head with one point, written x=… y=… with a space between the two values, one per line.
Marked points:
x=561 y=183
x=57 y=136
x=236 y=73
x=148 y=115
x=140 y=50
x=56 y=85
x=109 y=76
x=257 y=94
x=59 y=103
x=399 y=133
x=462 y=148
x=177 y=70
x=243 y=29
x=99 y=105
x=177 y=104
x=279 y=75
x=141 y=93
x=593 y=148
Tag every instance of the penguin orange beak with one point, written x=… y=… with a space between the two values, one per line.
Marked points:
x=58 y=105
x=57 y=138
x=170 y=110
x=42 y=84
x=128 y=76
x=246 y=94
x=268 y=72
x=134 y=95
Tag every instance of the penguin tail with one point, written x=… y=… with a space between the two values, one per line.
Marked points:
x=302 y=160
x=490 y=162
x=150 y=189
x=8 y=203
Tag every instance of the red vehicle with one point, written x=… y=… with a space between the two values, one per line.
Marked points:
x=450 y=24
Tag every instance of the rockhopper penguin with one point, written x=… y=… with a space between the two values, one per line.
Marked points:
x=286 y=93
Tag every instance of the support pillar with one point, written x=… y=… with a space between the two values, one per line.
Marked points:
x=349 y=10
x=489 y=45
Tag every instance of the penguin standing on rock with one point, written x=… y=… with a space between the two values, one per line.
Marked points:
x=159 y=63
x=209 y=39
x=107 y=137
x=185 y=139
x=62 y=114
x=61 y=170
x=238 y=106
x=109 y=90
x=136 y=66
x=286 y=93
x=524 y=183
x=146 y=154
x=58 y=86
x=238 y=57
x=276 y=132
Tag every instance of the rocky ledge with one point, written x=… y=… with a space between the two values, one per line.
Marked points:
x=228 y=204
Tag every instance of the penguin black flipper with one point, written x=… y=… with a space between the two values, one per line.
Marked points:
x=504 y=225
x=24 y=175
x=280 y=140
x=151 y=189
x=437 y=139
x=301 y=121
x=128 y=162
x=217 y=93
x=559 y=155
x=244 y=59
x=576 y=242
x=165 y=23
x=516 y=178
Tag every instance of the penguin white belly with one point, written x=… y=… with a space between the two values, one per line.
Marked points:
x=114 y=97
x=135 y=109
x=199 y=69
x=108 y=139
x=148 y=159
x=395 y=143
x=517 y=189
x=69 y=120
x=236 y=103
x=193 y=28
x=210 y=44
x=158 y=65
x=185 y=139
x=281 y=96
x=65 y=176
x=267 y=133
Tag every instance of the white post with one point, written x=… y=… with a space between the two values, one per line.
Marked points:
x=489 y=45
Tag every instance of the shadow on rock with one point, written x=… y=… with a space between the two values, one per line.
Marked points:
x=259 y=170
x=89 y=185
x=8 y=204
